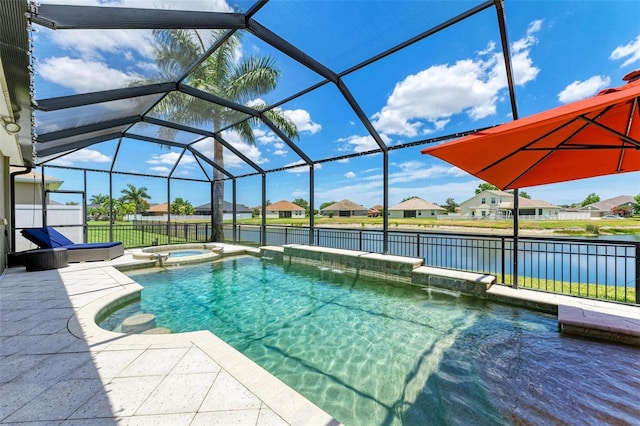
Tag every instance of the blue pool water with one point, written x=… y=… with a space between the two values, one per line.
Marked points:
x=377 y=353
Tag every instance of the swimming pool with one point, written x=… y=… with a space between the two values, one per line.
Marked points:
x=372 y=352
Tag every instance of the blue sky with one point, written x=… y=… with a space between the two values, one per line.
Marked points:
x=453 y=81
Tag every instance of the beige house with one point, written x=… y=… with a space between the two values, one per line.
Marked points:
x=496 y=204
x=415 y=208
x=28 y=189
x=345 y=208
x=607 y=207
x=283 y=209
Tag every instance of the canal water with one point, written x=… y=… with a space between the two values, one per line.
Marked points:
x=609 y=260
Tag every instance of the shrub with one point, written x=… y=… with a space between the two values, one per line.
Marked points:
x=593 y=229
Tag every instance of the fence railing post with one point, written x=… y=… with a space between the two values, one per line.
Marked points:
x=503 y=257
x=638 y=273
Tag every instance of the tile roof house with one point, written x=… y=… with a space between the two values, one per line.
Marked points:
x=242 y=211
x=607 y=207
x=157 y=210
x=283 y=209
x=415 y=207
x=496 y=204
x=375 y=210
x=345 y=208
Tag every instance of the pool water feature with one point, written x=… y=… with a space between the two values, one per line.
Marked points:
x=372 y=352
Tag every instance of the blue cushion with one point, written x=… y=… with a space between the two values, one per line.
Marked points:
x=57 y=239
x=46 y=237
x=91 y=245
x=38 y=236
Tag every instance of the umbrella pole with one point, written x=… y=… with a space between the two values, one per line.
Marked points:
x=516 y=226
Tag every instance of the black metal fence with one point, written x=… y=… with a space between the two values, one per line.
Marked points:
x=600 y=269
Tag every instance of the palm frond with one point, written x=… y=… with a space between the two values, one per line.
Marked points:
x=176 y=50
x=251 y=78
x=277 y=117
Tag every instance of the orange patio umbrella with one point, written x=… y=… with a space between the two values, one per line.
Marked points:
x=592 y=137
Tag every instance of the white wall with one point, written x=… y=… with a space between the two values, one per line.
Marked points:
x=574 y=215
x=30 y=216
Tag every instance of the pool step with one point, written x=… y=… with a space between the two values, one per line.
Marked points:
x=139 y=323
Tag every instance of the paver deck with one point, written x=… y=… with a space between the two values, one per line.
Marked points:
x=59 y=367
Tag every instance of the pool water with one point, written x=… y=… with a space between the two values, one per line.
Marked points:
x=376 y=353
x=185 y=253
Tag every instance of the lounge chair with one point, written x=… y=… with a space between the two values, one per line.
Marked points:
x=47 y=238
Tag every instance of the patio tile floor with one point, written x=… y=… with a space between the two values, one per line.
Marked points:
x=58 y=367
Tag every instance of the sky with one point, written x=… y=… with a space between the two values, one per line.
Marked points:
x=452 y=81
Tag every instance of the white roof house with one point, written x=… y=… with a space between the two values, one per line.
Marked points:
x=283 y=209
x=415 y=207
x=496 y=204
x=345 y=208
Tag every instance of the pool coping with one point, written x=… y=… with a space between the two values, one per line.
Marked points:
x=282 y=399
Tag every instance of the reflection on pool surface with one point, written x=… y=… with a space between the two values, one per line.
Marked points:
x=371 y=352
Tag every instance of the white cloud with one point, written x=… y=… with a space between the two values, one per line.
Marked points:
x=91 y=44
x=459 y=191
x=231 y=161
x=299 y=193
x=350 y=175
x=415 y=170
x=161 y=169
x=83 y=76
x=426 y=101
x=303 y=167
x=170 y=158
x=361 y=192
x=265 y=137
x=583 y=89
x=82 y=156
x=366 y=143
x=302 y=120
x=208 y=5
x=630 y=50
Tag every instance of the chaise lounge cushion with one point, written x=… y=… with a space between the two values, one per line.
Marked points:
x=82 y=252
x=46 y=237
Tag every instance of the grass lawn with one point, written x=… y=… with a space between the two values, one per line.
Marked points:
x=594 y=291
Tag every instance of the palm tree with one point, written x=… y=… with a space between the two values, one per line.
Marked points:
x=98 y=205
x=99 y=199
x=224 y=75
x=180 y=206
x=137 y=196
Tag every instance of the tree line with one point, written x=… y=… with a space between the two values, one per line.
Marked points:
x=132 y=201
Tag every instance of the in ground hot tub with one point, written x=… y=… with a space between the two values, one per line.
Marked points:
x=179 y=254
